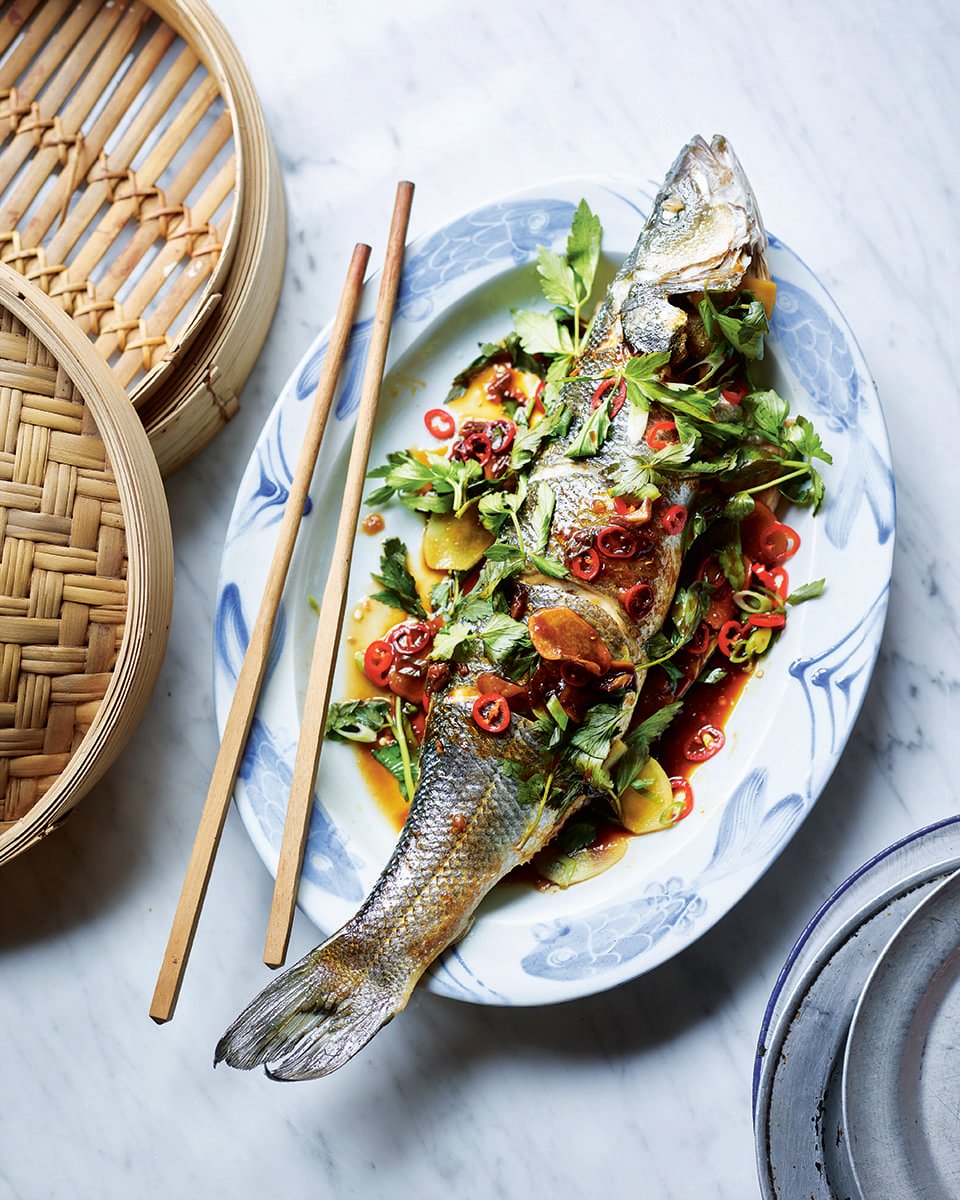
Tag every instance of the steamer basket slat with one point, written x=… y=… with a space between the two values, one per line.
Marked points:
x=139 y=190
x=85 y=565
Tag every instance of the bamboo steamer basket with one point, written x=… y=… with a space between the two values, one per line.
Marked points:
x=140 y=190
x=86 y=566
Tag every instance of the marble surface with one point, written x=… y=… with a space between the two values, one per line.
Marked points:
x=844 y=117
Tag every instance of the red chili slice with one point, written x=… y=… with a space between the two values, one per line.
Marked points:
x=491 y=712
x=657 y=435
x=704 y=744
x=700 y=641
x=474 y=445
x=771 y=620
x=735 y=393
x=614 y=541
x=586 y=564
x=410 y=638
x=501 y=433
x=576 y=675
x=616 y=402
x=377 y=661
x=682 y=796
x=729 y=635
x=778 y=542
x=776 y=579
x=623 y=506
x=674 y=519
x=440 y=423
x=638 y=601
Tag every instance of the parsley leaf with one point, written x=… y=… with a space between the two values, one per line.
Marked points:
x=592 y=434
x=542 y=517
x=638 y=742
x=542 y=333
x=398 y=587
x=527 y=442
x=808 y=591
x=357 y=720
x=583 y=249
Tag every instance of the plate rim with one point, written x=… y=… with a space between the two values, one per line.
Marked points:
x=634 y=195
x=867 y=1001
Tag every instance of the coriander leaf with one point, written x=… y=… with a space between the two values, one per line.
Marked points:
x=398 y=587
x=527 y=442
x=542 y=333
x=502 y=563
x=496 y=508
x=452 y=641
x=508 y=350
x=637 y=742
x=808 y=591
x=592 y=434
x=739 y=505
x=502 y=637
x=546 y=564
x=714 y=676
x=802 y=436
x=767 y=412
x=445 y=594
x=575 y=835
x=742 y=324
x=530 y=787
x=688 y=609
x=583 y=247
x=730 y=557
x=542 y=517
x=357 y=720
x=391 y=757
x=557 y=280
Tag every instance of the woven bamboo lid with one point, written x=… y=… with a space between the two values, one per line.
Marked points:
x=86 y=566
x=139 y=190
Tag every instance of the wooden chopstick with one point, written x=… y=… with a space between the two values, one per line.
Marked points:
x=255 y=661
x=334 y=600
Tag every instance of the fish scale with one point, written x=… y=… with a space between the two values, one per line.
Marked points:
x=468 y=824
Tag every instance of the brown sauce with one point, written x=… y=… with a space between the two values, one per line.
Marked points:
x=372 y=524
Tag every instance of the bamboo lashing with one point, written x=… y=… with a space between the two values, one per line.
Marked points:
x=329 y=626
x=85 y=566
x=134 y=166
x=244 y=701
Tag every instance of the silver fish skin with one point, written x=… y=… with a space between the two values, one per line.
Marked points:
x=469 y=824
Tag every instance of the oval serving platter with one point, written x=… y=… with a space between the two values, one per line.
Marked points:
x=530 y=947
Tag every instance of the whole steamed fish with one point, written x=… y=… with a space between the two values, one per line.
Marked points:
x=471 y=820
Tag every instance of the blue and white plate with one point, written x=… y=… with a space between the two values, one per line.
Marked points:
x=789 y=728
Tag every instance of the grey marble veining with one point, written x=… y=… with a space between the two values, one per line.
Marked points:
x=844 y=117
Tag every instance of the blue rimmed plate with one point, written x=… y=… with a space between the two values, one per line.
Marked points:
x=788 y=730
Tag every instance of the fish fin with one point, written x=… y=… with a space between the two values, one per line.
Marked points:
x=313 y=1018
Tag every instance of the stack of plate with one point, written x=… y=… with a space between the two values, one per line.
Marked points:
x=139 y=190
x=857 y=1092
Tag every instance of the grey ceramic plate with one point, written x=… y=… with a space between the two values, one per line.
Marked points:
x=801 y=1147
x=901 y=1085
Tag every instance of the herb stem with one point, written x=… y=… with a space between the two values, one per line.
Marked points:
x=762 y=487
x=401 y=736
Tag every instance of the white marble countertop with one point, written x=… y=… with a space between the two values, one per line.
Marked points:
x=846 y=125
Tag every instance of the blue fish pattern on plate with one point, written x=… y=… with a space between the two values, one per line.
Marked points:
x=813 y=342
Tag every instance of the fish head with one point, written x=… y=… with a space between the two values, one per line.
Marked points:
x=704 y=233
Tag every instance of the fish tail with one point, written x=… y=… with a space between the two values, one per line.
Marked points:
x=314 y=1017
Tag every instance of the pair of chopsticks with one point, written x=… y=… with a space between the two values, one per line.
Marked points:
x=329 y=627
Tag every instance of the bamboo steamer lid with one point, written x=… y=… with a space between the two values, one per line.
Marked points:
x=86 y=566
x=139 y=189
